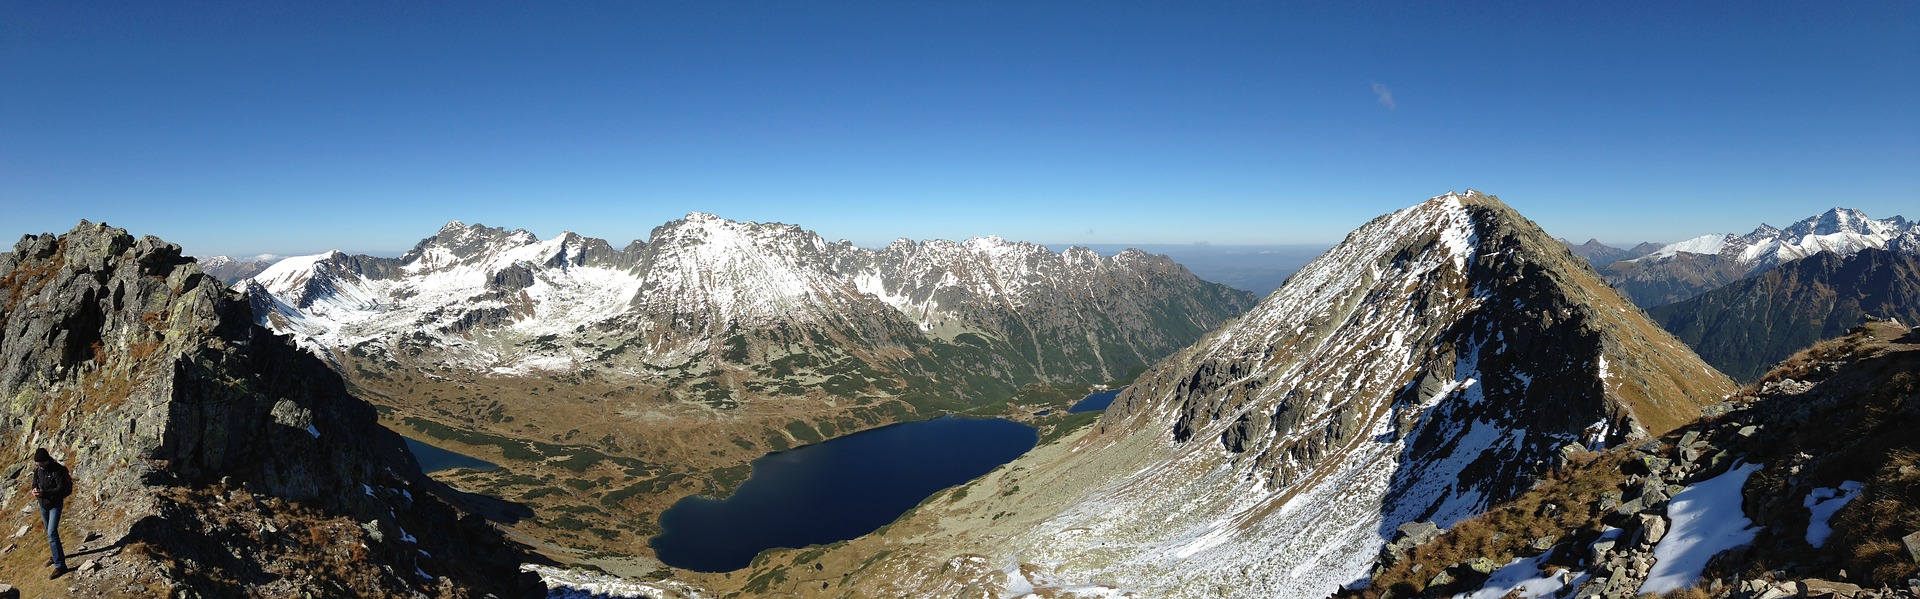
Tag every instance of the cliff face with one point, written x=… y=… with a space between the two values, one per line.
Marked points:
x=1426 y=368
x=180 y=419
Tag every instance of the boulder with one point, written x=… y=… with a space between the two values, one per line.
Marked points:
x=1600 y=549
x=1653 y=527
x=1777 y=592
x=1913 y=545
x=1483 y=565
x=1814 y=587
x=1413 y=534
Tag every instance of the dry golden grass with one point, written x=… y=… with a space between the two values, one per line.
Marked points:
x=1503 y=533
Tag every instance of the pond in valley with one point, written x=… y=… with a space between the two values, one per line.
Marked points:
x=434 y=459
x=835 y=490
x=1097 y=401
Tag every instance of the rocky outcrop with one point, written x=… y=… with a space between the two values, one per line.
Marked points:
x=209 y=443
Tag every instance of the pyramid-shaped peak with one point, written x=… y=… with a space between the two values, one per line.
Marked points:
x=1836 y=220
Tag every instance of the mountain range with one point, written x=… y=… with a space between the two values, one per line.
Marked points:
x=230 y=270
x=1600 y=254
x=1688 y=268
x=1425 y=369
x=1748 y=326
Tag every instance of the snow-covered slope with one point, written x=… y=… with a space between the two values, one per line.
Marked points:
x=706 y=293
x=1681 y=270
x=1425 y=368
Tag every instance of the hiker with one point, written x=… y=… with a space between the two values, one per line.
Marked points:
x=51 y=483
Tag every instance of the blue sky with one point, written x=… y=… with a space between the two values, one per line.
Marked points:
x=297 y=127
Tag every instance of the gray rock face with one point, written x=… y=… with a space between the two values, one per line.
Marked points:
x=143 y=374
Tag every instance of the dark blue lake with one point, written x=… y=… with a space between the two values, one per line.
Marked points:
x=1097 y=401
x=835 y=490
x=434 y=459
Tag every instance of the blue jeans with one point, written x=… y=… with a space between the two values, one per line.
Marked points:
x=52 y=516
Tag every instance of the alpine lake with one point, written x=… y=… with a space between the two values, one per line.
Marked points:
x=840 y=489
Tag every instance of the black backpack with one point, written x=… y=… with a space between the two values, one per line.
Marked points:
x=53 y=481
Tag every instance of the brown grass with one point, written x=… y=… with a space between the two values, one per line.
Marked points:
x=1503 y=533
x=1877 y=521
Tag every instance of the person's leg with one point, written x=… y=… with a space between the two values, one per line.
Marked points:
x=53 y=538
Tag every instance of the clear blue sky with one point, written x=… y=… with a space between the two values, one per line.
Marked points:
x=295 y=127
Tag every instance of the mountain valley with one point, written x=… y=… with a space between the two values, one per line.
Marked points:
x=610 y=383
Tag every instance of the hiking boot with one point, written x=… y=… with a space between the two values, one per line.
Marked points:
x=58 y=572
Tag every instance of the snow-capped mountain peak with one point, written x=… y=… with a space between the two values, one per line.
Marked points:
x=697 y=281
x=1841 y=230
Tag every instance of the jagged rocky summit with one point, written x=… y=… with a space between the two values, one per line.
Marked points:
x=1430 y=366
x=1688 y=268
x=211 y=457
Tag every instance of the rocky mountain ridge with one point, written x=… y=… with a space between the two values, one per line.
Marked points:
x=211 y=457
x=1600 y=254
x=1688 y=268
x=1426 y=368
x=230 y=270
x=1750 y=501
x=1746 y=327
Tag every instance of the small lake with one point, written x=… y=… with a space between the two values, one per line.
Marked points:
x=1097 y=401
x=835 y=490
x=434 y=459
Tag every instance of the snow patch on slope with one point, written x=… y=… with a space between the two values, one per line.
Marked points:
x=1707 y=519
